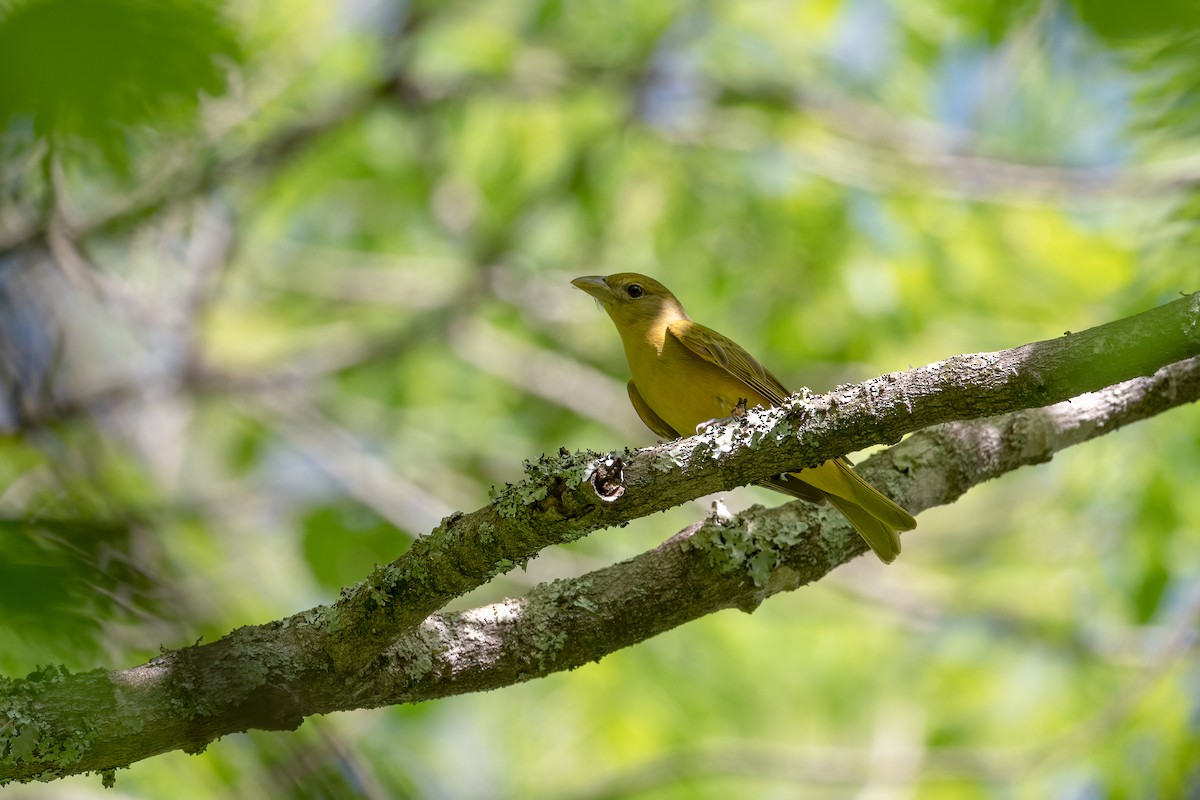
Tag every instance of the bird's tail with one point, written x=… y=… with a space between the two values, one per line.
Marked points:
x=876 y=518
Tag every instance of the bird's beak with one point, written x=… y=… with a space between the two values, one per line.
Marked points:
x=595 y=286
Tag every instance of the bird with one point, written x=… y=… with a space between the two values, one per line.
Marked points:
x=686 y=375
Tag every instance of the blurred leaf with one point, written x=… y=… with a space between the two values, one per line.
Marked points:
x=1121 y=21
x=995 y=19
x=1159 y=522
x=61 y=580
x=1162 y=40
x=248 y=444
x=343 y=541
x=89 y=71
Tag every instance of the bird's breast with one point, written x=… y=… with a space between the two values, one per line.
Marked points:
x=685 y=389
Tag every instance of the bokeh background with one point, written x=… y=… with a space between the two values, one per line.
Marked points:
x=282 y=284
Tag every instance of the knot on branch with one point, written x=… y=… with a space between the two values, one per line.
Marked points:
x=608 y=479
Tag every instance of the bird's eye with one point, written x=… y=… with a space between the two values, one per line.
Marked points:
x=635 y=290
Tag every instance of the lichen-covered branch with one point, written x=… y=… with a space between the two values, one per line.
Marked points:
x=383 y=641
x=566 y=497
x=739 y=561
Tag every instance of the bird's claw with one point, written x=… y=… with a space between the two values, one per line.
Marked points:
x=736 y=413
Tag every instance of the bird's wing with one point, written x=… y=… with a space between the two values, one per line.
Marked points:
x=653 y=421
x=729 y=355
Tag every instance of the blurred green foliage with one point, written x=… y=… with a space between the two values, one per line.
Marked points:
x=313 y=296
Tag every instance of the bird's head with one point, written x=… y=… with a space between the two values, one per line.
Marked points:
x=635 y=302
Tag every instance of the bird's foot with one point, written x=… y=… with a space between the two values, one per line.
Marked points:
x=736 y=413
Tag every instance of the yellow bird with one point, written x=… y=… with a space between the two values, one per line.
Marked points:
x=686 y=375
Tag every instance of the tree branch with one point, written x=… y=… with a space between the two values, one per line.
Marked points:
x=384 y=639
x=737 y=562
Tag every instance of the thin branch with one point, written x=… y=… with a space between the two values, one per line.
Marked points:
x=869 y=147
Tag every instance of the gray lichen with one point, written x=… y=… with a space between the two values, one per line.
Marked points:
x=24 y=739
x=741 y=542
x=415 y=656
x=548 y=601
x=542 y=475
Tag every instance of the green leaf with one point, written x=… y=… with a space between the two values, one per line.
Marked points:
x=88 y=71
